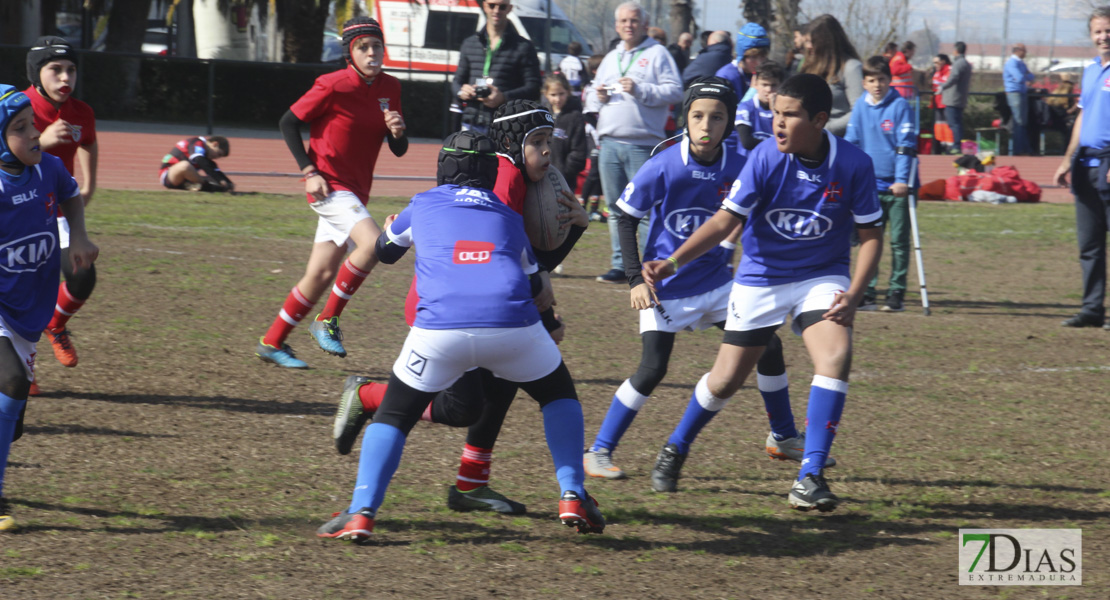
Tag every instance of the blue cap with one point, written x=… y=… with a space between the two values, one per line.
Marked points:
x=11 y=102
x=752 y=35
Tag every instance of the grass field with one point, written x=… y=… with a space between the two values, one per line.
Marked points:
x=173 y=463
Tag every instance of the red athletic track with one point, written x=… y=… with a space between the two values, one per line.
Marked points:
x=129 y=161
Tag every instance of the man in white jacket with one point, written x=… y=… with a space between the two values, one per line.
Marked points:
x=631 y=93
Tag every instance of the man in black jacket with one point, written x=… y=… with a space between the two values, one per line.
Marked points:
x=495 y=65
x=715 y=55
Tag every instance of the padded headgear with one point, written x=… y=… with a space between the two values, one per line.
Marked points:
x=714 y=88
x=11 y=102
x=467 y=158
x=513 y=122
x=356 y=28
x=46 y=49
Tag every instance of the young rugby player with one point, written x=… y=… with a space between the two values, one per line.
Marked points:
x=753 y=116
x=798 y=200
x=462 y=234
x=680 y=188
x=350 y=112
x=182 y=166
x=479 y=400
x=68 y=128
x=32 y=186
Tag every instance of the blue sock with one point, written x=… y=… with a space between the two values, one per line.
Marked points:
x=626 y=404
x=826 y=403
x=9 y=416
x=562 y=425
x=702 y=408
x=381 y=453
x=776 y=399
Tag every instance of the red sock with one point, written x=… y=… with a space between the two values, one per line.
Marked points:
x=346 y=284
x=371 y=394
x=64 y=309
x=295 y=309
x=473 y=468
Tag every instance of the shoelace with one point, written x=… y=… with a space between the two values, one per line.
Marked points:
x=62 y=339
x=605 y=460
x=332 y=327
x=669 y=462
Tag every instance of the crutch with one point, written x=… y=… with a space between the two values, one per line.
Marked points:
x=917 y=237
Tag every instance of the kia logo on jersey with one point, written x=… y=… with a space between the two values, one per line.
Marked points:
x=28 y=253
x=683 y=223
x=797 y=224
x=473 y=253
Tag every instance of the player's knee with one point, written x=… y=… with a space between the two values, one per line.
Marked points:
x=647 y=378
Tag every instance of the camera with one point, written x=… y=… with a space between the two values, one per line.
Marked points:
x=481 y=91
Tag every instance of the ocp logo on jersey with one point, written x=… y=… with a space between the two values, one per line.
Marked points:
x=1021 y=557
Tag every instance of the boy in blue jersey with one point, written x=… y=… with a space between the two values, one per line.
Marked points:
x=463 y=233
x=753 y=116
x=681 y=188
x=798 y=200
x=32 y=185
x=883 y=126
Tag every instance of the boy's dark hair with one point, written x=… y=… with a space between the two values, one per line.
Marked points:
x=876 y=66
x=221 y=143
x=574 y=48
x=908 y=45
x=812 y=90
x=593 y=62
x=961 y=48
x=942 y=57
x=890 y=48
x=771 y=70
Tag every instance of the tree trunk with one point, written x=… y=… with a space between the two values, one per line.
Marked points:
x=304 y=31
x=782 y=29
x=680 y=18
x=127 y=25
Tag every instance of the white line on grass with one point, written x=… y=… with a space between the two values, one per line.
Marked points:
x=179 y=253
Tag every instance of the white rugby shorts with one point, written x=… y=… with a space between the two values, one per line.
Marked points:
x=751 y=307
x=432 y=359
x=339 y=212
x=63 y=233
x=23 y=347
x=687 y=314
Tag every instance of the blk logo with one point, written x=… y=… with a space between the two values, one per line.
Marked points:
x=704 y=175
x=473 y=253
x=810 y=177
x=683 y=223
x=796 y=224
x=25 y=197
x=27 y=254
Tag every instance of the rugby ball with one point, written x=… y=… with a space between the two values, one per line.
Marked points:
x=542 y=211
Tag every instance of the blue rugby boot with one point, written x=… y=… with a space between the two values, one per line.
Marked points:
x=328 y=336
x=282 y=357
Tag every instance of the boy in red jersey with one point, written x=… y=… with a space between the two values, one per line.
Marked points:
x=350 y=112
x=68 y=128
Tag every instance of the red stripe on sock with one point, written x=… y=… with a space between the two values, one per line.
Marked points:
x=347 y=282
x=371 y=395
x=296 y=308
x=474 y=468
x=65 y=308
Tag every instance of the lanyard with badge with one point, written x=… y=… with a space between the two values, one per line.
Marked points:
x=482 y=83
x=615 y=93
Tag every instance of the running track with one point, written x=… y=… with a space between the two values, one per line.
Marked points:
x=131 y=153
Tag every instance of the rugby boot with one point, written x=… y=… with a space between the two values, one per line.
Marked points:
x=63 y=347
x=328 y=336
x=483 y=498
x=668 y=468
x=350 y=416
x=282 y=357
x=813 y=492
x=7 y=522
x=356 y=526
x=581 y=513
x=791 y=449
x=599 y=463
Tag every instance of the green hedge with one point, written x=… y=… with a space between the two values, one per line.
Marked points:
x=244 y=94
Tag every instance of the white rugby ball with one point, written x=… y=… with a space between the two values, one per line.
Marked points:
x=542 y=211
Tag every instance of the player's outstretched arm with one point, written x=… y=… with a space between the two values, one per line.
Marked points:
x=843 y=310
x=82 y=252
x=710 y=234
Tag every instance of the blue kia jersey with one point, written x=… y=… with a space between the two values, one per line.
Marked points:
x=752 y=114
x=29 y=255
x=800 y=220
x=680 y=194
x=472 y=259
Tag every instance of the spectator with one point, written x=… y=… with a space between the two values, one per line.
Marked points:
x=831 y=56
x=889 y=50
x=1088 y=161
x=942 y=131
x=680 y=50
x=901 y=71
x=495 y=65
x=1015 y=80
x=712 y=57
x=570 y=144
x=591 y=187
x=657 y=34
x=797 y=55
x=752 y=45
x=573 y=68
x=1063 y=107
x=634 y=86
x=954 y=94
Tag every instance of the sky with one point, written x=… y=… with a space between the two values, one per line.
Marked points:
x=1030 y=20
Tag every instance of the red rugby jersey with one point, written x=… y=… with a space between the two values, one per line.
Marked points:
x=72 y=111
